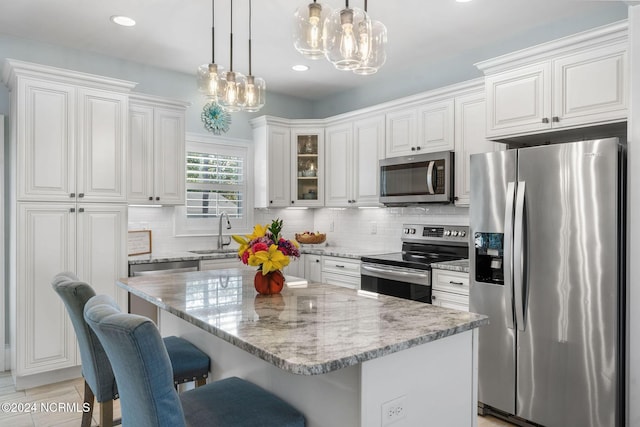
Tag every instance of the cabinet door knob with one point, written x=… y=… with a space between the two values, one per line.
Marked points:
x=72 y=210
x=81 y=195
x=81 y=210
x=413 y=148
x=545 y=120
x=72 y=195
x=418 y=148
x=293 y=201
x=150 y=197
x=555 y=119
x=317 y=260
x=271 y=201
x=433 y=297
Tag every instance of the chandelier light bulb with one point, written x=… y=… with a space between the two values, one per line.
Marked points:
x=233 y=86
x=344 y=31
x=309 y=29
x=377 y=56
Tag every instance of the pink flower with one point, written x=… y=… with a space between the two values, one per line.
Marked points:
x=259 y=247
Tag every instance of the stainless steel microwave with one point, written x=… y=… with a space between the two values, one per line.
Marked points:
x=416 y=179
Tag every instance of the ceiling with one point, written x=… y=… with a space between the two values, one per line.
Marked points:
x=176 y=34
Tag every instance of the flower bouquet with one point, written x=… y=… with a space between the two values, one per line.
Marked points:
x=268 y=251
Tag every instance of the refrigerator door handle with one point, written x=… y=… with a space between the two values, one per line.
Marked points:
x=430 y=177
x=508 y=254
x=518 y=257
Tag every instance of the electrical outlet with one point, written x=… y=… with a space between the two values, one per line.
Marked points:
x=331 y=226
x=394 y=410
x=374 y=227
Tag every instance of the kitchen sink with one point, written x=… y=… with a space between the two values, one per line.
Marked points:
x=214 y=251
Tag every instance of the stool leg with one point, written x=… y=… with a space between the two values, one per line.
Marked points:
x=106 y=413
x=200 y=382
x=88 y=398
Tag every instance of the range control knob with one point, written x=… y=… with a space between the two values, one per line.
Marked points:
x=454 y=233
x=412 y=231
x=406 y=231
x=462 y=233
x=447 y=232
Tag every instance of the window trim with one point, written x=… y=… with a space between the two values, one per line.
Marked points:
x=209 y=227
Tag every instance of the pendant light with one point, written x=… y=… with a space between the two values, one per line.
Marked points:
x=373 y=53
x=233 y=85
x=255 y=90
x=348 y=32
x=208 y=74
x=309 y=29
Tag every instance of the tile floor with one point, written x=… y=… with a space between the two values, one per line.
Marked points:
x=70 y=393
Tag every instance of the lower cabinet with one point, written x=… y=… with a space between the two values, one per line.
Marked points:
x=295 y=267
x=89 y=239
x=313 y=268
x=341 y=271
x=450 y=289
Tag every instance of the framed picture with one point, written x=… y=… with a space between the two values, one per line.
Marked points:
x=139 y=242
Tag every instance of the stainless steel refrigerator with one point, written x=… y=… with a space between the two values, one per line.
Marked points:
x=547 y=236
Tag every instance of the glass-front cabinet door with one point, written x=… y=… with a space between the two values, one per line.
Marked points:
x=307 y=167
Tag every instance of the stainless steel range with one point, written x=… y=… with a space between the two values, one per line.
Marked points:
x=407 y=274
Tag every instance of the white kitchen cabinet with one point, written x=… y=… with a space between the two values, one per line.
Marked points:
x=422 y=129
x=295 y=267
x=470 y=121
x=450 y=289
x=307 y=166
x=577 y=81
x=70 y=134
x=353 y=150
x=86 y=238
x=313 y=268
x=156 y=161
x=341 y=271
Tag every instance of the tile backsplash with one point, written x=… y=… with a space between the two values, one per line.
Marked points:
x=378 y=229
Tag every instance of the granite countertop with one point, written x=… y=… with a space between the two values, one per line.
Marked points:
x=461 y=265
x=304 y=330
x=338 y=251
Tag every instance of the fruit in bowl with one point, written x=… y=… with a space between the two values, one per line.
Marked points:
x=309 y=237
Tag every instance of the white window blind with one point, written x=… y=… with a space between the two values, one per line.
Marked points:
x=215 y=184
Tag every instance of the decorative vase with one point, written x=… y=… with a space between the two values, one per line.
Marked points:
x=270 y=283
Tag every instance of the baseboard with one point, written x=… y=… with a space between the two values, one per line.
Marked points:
x=7 y=358
x=37 y=380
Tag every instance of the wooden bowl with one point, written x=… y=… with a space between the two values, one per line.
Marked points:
x=311 y=238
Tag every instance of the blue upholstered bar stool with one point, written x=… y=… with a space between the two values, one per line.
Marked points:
x=187 y=361
x=147 y=396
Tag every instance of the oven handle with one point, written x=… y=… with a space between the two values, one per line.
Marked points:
x=396 y=274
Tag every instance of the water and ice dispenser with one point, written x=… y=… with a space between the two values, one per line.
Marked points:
x=489 y=253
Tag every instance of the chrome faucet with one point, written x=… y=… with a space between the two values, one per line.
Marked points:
x=221 y=243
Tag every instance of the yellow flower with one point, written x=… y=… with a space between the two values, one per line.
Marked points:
x=258 y=231
x=243 y=244
x=271 y=260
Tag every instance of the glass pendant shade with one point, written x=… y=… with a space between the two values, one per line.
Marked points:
x=233 y=87
x=376 y=45
x=208 y=78
x=348 y=32
x=309 y=29
x=254 y=94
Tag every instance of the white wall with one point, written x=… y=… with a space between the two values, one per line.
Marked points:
x=633 y=231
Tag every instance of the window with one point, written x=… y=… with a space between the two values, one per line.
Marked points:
x=216 y=183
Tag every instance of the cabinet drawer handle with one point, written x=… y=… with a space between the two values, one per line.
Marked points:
x=339 y=266
x=456 y=283
x=545 y=120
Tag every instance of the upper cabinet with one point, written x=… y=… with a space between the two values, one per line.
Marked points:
x=307 y=167
x=576 y=81
x=427 y=127
x=70 y=135
x=353 y=149
x=156 y=161
x=289 y=163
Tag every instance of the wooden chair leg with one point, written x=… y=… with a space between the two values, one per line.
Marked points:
x=200 y=382
x=106 y=414
x=88 y=398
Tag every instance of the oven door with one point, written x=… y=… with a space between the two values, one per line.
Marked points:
x=401 y=282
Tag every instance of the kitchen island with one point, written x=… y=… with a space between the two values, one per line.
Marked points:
x=341 y=357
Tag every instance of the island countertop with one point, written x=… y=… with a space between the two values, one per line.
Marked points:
x=304 y=330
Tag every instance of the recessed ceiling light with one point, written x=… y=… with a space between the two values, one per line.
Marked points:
x=300 y=67
x=125 y=21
